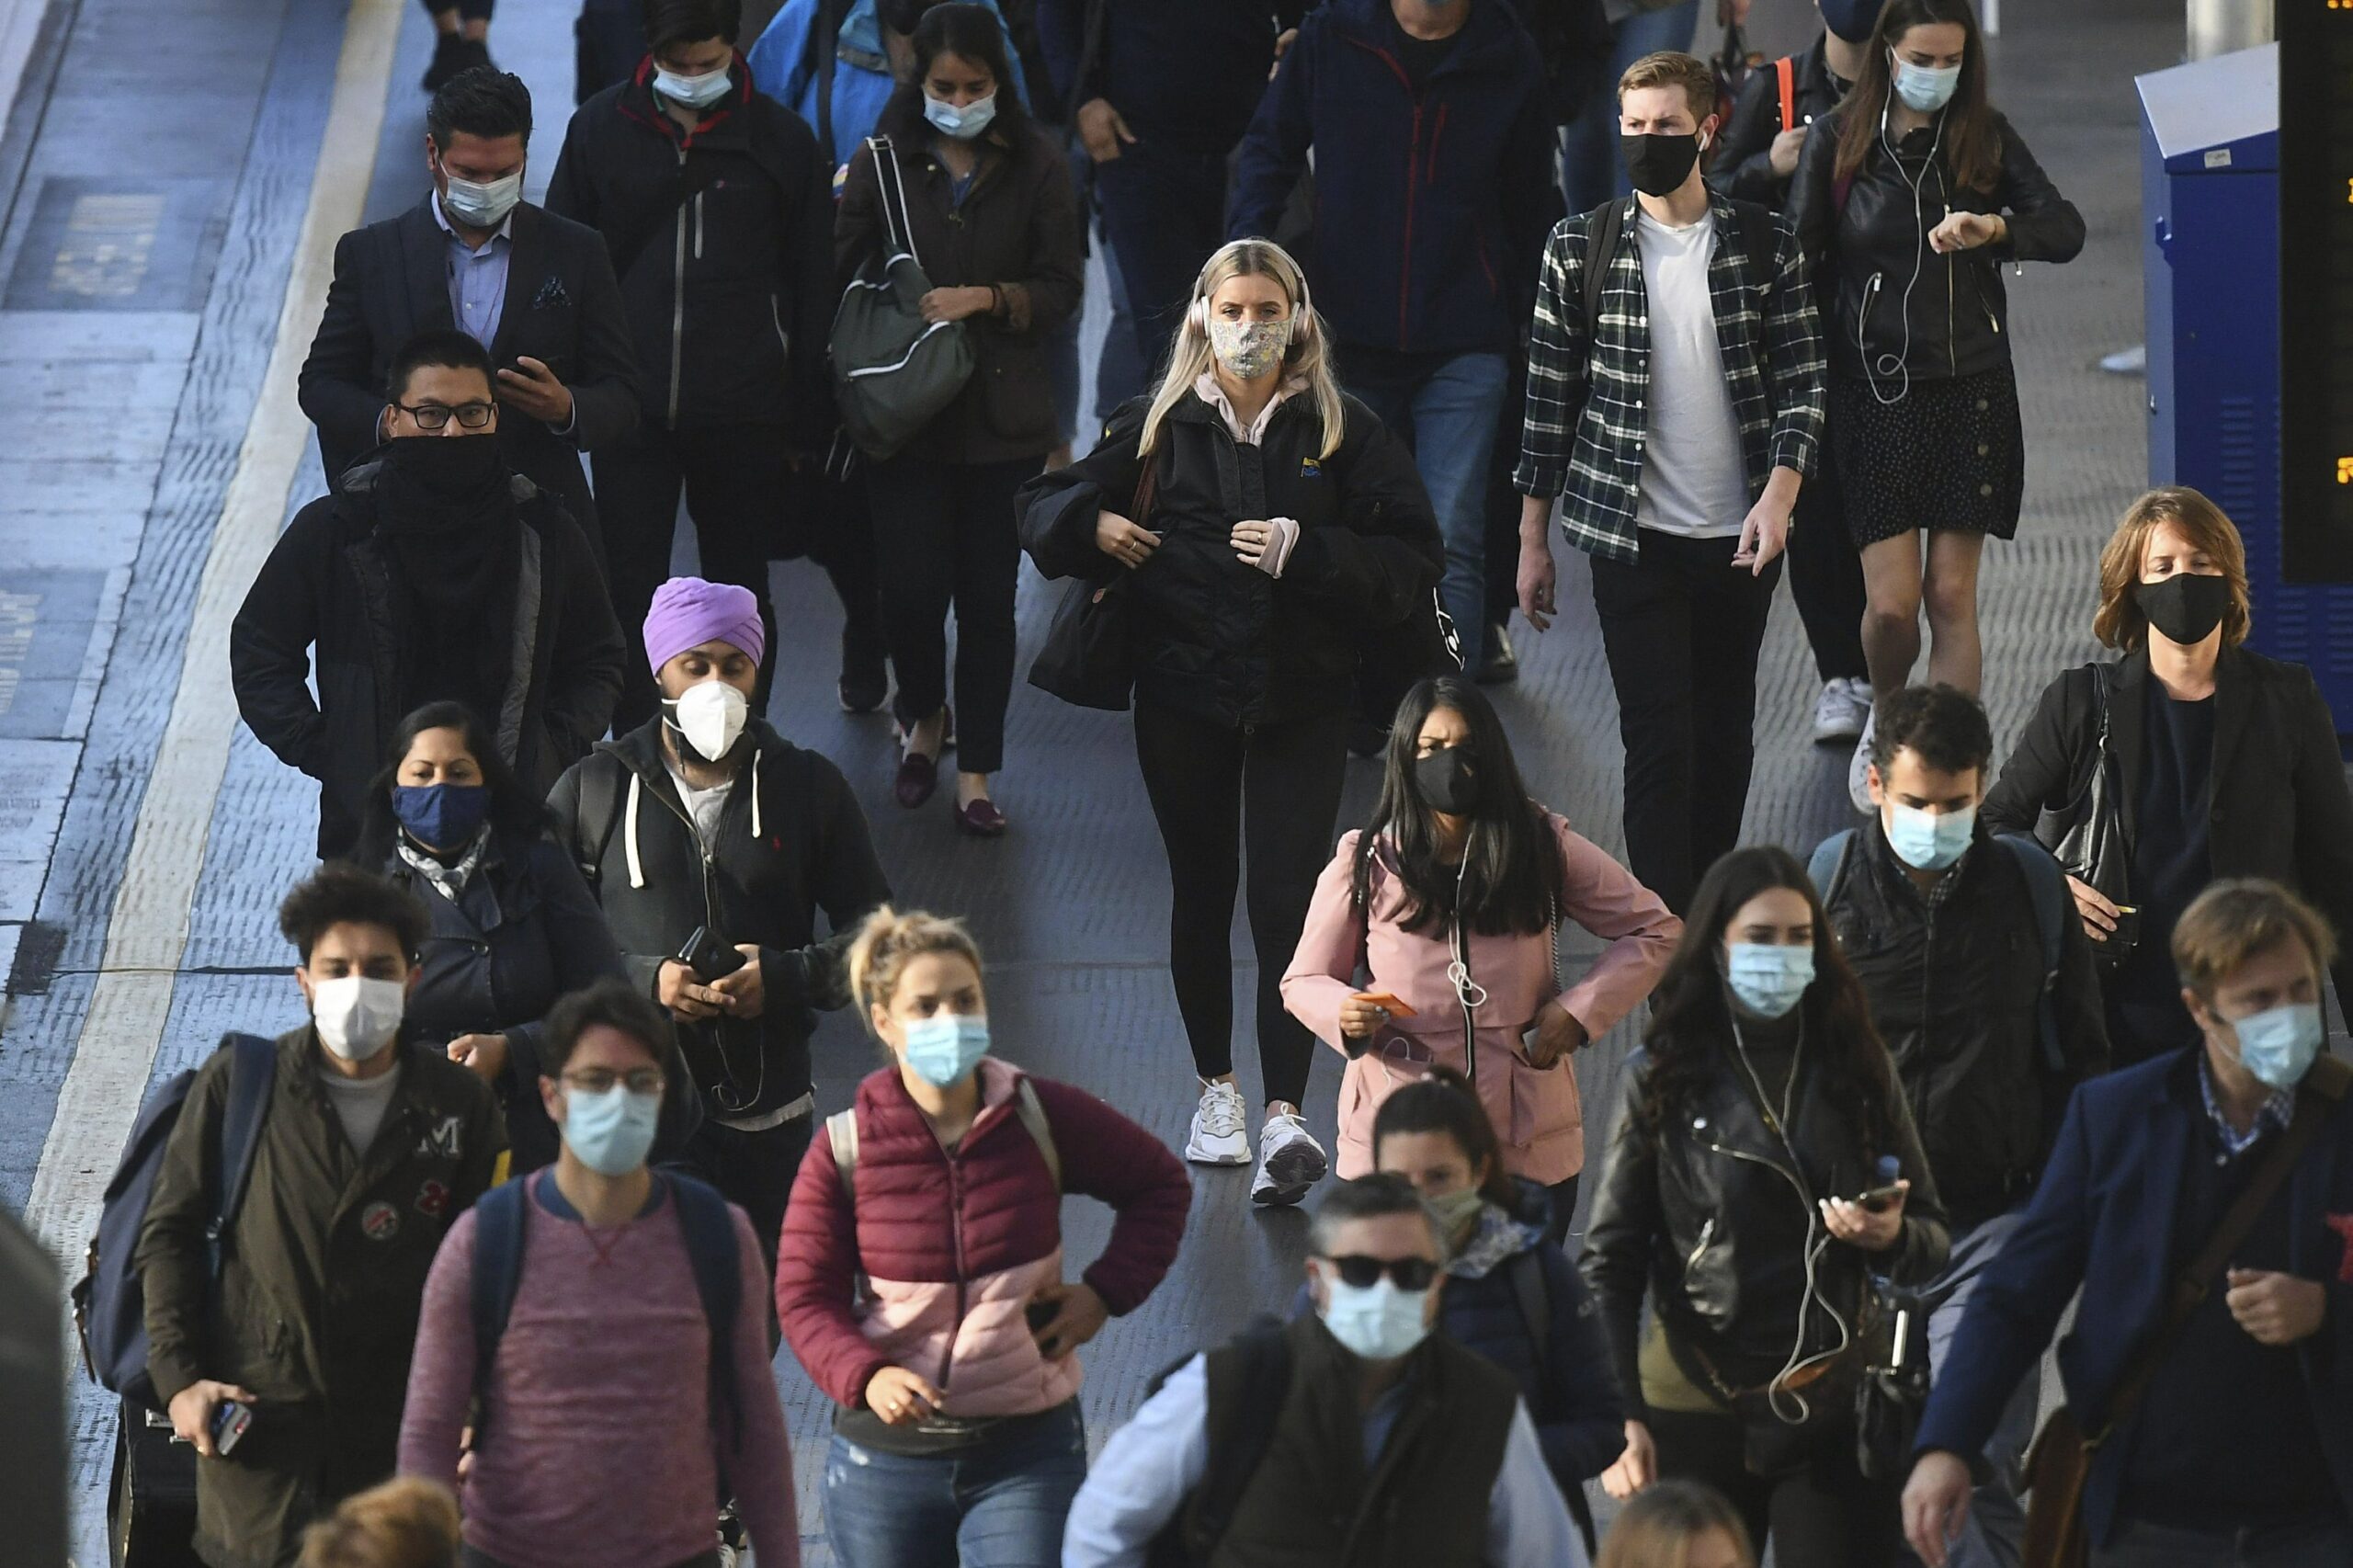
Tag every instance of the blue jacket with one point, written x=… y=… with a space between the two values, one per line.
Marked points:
x=2103 y=1217
x=1431 y=209
x=784 y=66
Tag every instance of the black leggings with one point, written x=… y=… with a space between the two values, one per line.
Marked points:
x=1825 y=1516
x=1215 y=788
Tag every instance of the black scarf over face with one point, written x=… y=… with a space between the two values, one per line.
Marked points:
x=445 y=511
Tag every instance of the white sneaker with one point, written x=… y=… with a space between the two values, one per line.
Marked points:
x=1290 y=1162
x=1221 y=1134
x=1842 y=709
x=1858 y=783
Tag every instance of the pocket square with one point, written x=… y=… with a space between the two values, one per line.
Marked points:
x=551 y=293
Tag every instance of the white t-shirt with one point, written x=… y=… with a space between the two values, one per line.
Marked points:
x=703 y=805
x=1693 y=482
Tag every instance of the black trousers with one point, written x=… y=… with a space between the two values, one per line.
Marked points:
x=1218 y=791
x=735 y=478
x=947 y=530
x=754 y=1171
x=1682 y=628
x=1825 y=1516
x=1827 y=574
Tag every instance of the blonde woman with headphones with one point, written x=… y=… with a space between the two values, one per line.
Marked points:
x=1258 y=522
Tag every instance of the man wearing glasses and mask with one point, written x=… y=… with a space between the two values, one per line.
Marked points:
x=434 y=571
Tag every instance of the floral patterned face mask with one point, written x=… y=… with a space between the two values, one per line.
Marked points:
x=1249 y=350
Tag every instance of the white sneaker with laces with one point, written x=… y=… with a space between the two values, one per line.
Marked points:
x=1837 y=714
x=1858 y=783
x=1221 y=1134
x=1290 y=1162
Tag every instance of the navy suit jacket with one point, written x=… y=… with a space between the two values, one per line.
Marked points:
x=2103 y=1217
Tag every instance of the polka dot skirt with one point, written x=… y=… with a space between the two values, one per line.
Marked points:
x=1949 y=455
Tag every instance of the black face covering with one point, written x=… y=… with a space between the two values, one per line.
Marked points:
x=2186 y=607
x=1448 y=781
x=1658 y=163
x=454 y=467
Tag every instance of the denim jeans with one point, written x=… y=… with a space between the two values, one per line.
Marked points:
x=1591 y=170
x=2139 y=1544
x=1996 y=1522
x=1000 y=1505
x=1446 y=412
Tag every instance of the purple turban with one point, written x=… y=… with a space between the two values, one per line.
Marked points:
x=689 y=612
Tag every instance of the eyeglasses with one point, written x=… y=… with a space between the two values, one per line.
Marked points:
x=1361 y=1273
x=434 y=417
x=597 y=1080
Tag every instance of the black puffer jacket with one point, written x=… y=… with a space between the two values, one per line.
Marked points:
x=1220 y=640
x=1868 y=241
x=1709 y=1215
x=803 y=847
x=725 y=235
x=1956 y=991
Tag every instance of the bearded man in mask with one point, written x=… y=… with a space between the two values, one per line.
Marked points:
x=433 y=573
x=368 y=1148
x=712 y=842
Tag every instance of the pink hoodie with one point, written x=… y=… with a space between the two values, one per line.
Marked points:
x=1536 y=1114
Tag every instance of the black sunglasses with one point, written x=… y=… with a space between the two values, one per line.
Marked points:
x=1359 y=1272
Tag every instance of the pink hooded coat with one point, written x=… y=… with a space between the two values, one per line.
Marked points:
x=1536 y=1113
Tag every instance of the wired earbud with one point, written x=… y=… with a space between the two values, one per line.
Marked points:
x=1896 y=367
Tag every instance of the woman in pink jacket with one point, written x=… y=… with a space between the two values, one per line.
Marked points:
x=958 y=1437
x=1447 y=906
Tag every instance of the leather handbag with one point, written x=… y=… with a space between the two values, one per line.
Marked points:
x=2087 y=836
x=1090 y=659
x=893 y=372
x=2061 y=1460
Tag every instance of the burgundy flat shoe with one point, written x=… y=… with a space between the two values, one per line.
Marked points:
x=980 y=820
x=918 y=777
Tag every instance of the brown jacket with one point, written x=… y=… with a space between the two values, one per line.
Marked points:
x=1018 y=229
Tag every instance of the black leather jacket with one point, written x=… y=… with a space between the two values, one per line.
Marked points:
x=1956 y=991
x=1711 y=1214
x=1885 y=296
x=1743 y=165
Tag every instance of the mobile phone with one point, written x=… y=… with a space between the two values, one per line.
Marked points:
x=1386 y=1003
x=1875 y=1200
x=710 y=958
x=1039 y=1314
x=230 y=1419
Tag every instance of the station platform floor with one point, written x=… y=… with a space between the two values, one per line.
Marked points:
x=173 y=179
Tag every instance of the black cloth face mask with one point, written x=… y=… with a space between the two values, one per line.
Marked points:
x=1448 y=781
x=452 y=467
x=1659 y=164
x=2186 y=607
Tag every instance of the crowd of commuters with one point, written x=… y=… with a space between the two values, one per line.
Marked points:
x=542 y=1184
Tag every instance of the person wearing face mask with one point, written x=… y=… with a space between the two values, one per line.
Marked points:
x=715 y=205
x=1363 y=1436
x=995 y=224
x=1908 y=198
x=1951 y=931
x=922 y=1282
x=1511 y=1293
x=1763 y=1168
x=432 y=572
x=2194 y=1215
x=712 y=843
x=1260 y=524
x=606 y=1264
x=2218 y=762
x=1449 y=905
x=1433 y=143
x=534 y=289
x=512 y=928
x=370 y=1147
x=1675 y=353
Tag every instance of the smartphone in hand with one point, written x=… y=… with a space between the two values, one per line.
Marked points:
x=230 y=1421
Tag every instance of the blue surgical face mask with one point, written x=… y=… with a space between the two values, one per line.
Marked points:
x=1377 y=1322
x=1768 y=978
x=611 y=1131
x=441 y=817
x=1928 y=841
x=1924 y=87
x=945 y=1047
x=962 y=123
x=2279 y=1044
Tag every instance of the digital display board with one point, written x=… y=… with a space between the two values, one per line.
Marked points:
x=2316 y=290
